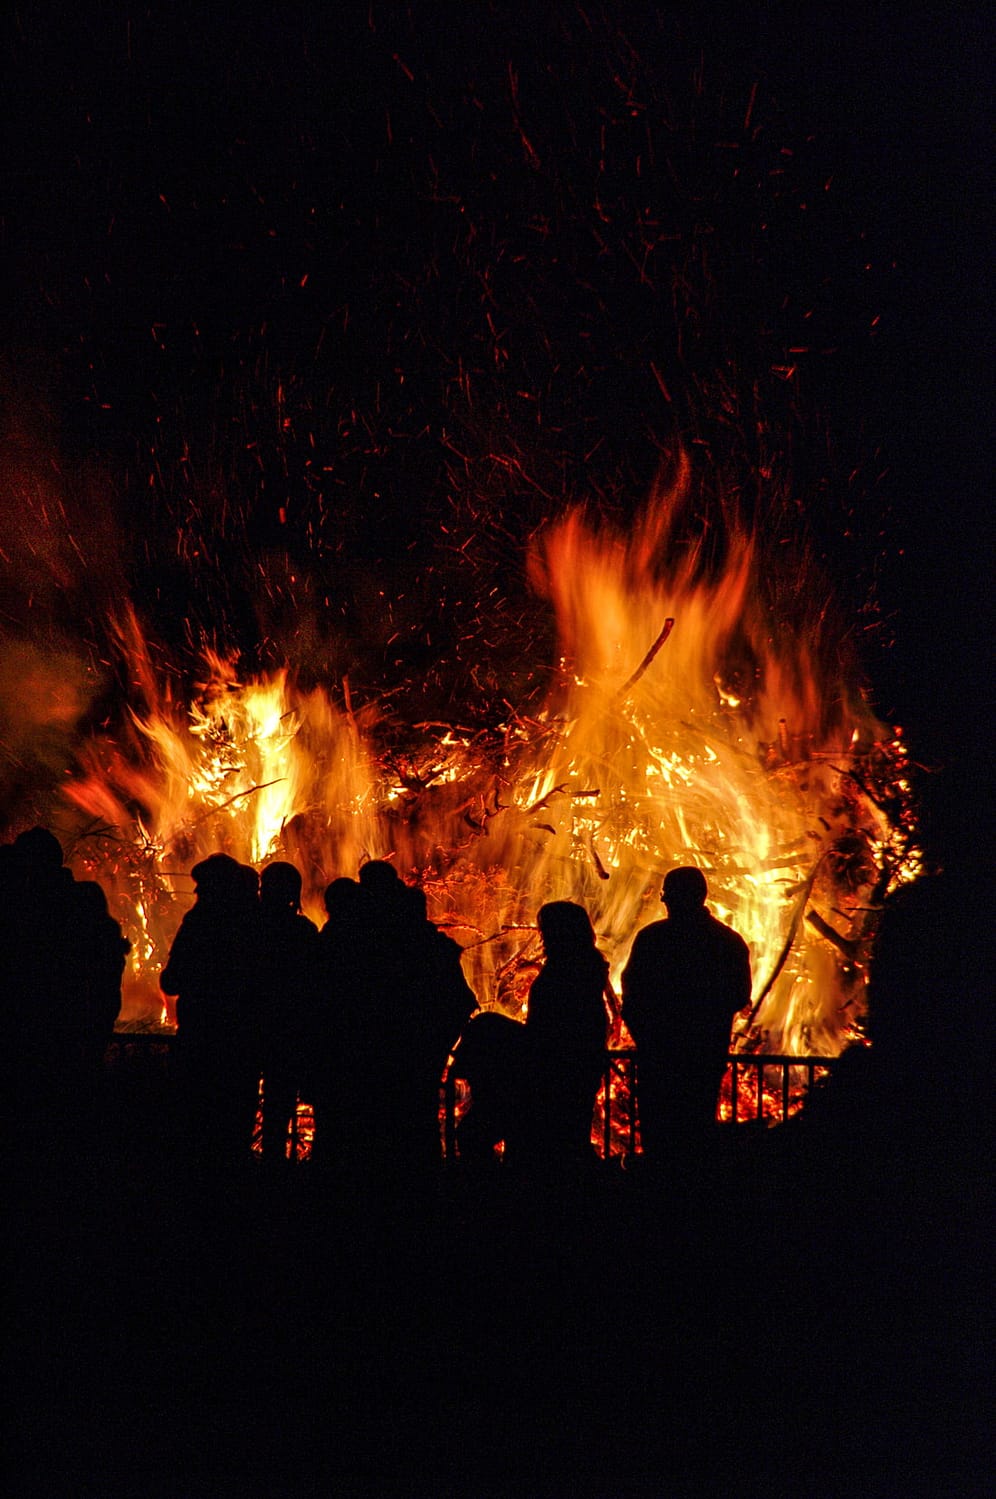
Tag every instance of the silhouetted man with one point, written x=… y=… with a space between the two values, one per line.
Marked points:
x=99 y=949
x=342 y=1047
x=685 y=980
x=286 y=983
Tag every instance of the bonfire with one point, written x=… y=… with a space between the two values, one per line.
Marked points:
x=683 y=723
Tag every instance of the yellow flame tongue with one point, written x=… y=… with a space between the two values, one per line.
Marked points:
x=689 y=771
x=651 y=751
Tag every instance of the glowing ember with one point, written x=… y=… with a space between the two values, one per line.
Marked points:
x=712 y=740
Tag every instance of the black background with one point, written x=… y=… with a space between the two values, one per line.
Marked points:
x=311 y=319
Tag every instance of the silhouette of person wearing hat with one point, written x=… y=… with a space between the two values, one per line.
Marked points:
x=685 y=980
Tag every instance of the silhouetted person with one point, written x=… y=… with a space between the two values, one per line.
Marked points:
x=685 y=980
x=342 y=1044
x=388 y=981
x=101 y=950
x=414 y=1001
x=60 y=975
x=493 y=1058
x=28 y=975
x=286 y=984
x=212 y=970
x=567 y=1025
x=448 y=1000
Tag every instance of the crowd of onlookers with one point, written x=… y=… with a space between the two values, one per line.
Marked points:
x=360 y=1017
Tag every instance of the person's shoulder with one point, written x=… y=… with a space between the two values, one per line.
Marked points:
x=189 y=922
x=727 y=934
x=651 y=935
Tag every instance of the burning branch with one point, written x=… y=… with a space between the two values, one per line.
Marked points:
x=220 y=807
x=600 y=869
x=843 y=944
x=631 y=682
x=794 y=924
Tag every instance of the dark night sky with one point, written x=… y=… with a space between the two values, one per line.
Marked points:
x=366 y=299
x=311 y=315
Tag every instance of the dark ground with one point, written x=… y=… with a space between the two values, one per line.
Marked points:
x=799 y=1318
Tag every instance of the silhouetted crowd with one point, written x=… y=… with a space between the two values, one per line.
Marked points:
x=358 y=1019
x=361 y=1017
x=149 y=1290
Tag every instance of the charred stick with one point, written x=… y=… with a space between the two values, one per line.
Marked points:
x=843 y=944
x=647 y=660
x=348 y=700
x=783 y=739
x=600 y=869
x=250 y=791
x=560 y=790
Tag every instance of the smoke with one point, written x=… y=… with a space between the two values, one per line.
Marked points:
x=44 y=694
x=61 y=574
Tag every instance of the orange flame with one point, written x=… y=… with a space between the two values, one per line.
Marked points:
x=714 y=742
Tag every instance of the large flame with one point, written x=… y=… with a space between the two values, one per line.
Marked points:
x=681 y=727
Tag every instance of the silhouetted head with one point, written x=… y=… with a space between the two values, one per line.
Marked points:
x=565 y=928
x=684 y=891
x=280 y=886
x=90 y=898
x=218 y=874
x=344 y=899
x=379 y=877
x=38 y=850
x=384 y=886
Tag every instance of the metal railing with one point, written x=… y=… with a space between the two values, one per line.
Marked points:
x=757 y=1087
x=762 y=1065
x=769 y=1088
